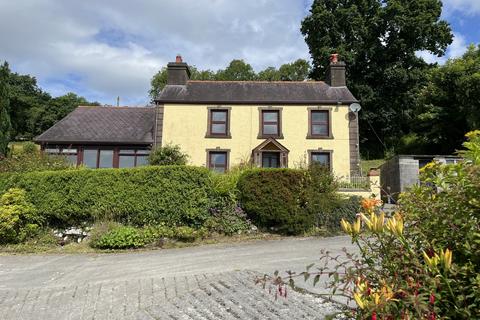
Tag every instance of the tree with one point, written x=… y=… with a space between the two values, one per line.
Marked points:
x=5 y=125
x=168 y=155
x=159 y=80
x=237 y=70
x=295 y=71
x=41 y=117
x=449 y=104
x=269 y=74
x=378 y=39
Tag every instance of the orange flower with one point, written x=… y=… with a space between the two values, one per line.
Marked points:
x=370 y=204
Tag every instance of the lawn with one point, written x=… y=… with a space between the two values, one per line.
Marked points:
x=367 y=164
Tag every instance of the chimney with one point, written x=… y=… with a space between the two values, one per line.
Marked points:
x=178 y=72
x=335 y=76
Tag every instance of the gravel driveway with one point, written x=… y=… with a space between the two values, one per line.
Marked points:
x=208 y=282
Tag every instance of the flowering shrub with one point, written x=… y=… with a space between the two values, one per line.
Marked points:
x=422 y=262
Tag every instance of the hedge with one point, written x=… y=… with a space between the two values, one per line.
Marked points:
x=276 y=199
x=175 y=195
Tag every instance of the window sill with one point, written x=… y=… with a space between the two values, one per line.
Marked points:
x=320 y=137
x=266 y=136
x=214 y=136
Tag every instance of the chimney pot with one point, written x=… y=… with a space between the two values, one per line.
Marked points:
x=178 y=59
x=334 y=58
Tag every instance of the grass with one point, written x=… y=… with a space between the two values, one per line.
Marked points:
x=47 y=244
x=367 y=164
x=16 y=146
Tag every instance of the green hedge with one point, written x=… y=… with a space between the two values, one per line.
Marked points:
x=276 y=198
x=178 y=195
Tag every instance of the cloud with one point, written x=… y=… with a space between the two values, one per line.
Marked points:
x=113 y=47
x=467 y=7
x=458 y=47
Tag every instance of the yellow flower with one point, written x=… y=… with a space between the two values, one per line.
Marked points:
x=356 y=226
x=431 y=262
x=346 y=226
x=350 y=229
x=446 y=258
x=358 y=299
x=376 y=298
x=395 y=225
x=472 y=134
x=375 y=223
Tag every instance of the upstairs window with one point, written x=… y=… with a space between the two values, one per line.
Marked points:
x=320 y=123
x=270 y=123
x=218 y=123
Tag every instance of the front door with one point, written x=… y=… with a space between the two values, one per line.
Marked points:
x=271 y=159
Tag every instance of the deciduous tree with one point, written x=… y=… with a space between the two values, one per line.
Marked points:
x=378 y=39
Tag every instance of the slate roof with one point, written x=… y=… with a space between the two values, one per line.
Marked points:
x=255 y=92
x=107 y=125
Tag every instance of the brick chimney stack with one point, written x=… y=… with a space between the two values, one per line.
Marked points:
x=178 y=72
x=335 y=76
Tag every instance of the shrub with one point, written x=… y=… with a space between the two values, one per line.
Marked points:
x=227 y=217
x=30 y=159
x=188 y=234
x=168 y=155
x=174 y=195
x=276 y=198
x=18 y=218
x=424 y=261
x=121 y=237
x=334 y=208
x=29 y=148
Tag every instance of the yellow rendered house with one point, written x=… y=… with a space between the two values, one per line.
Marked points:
x=221 y=124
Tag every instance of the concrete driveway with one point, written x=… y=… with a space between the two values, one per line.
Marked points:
x=149 y=284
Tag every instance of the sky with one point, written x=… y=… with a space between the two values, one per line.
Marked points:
x=109 y=48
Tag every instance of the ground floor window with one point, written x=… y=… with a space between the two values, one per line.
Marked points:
x=270 y=159
x=323 y=158
x=128 y=158
x=102 y=157
x=70 y=153
x=217 y=160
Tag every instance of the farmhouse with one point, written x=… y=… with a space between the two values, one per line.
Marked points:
x=220 y=124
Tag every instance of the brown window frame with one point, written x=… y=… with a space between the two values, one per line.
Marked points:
x=218 y=151
x=261 y=133
x=138 y=152
x=311 y=123
x=211 y=122
x=135 y=156
x=311 y=153
x=61 y=151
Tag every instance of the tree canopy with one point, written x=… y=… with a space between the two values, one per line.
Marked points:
x=449 y=105
x=378 y=39
x=239 y=70
x=33 y=110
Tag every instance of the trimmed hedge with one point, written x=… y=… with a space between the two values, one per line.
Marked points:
x=276 y=198
x=174 y=195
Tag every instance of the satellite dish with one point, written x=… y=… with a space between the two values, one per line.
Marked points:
x=355 y=107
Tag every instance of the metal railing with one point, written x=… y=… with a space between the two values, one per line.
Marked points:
x=354 y=182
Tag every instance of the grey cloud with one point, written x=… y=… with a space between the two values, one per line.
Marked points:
x=51 y=39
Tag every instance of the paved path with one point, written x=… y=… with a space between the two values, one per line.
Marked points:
x=150 y=284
